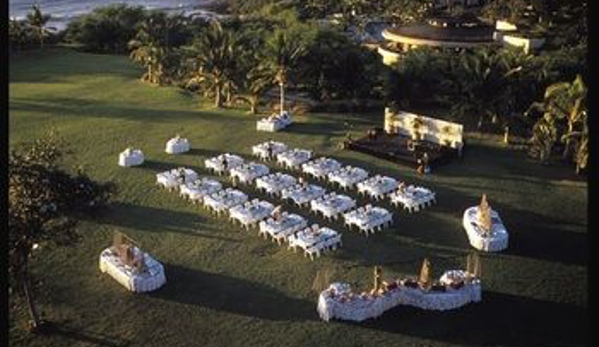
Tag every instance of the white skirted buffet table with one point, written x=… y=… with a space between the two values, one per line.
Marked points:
x=131 y=157
x=150 y=279
x=339 y=302
x=494 y=241
x=274 y=123
x=177 y=145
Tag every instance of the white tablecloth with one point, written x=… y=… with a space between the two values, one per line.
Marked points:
x=246 y=173
x=198 y=189
x=331 y=205
x=172 y=179
x=281 y=229
x=320 y=167
x=368 y=219
x=177 y=145
x=225 y=199
x=251 y=212
x=274 y=123
x=349 y=306
x=412 y=198
x=216 y=164
x=497 y=241
x=313 y=242
x=294 y=158
x=377 y=186
x=152 y=279
x=348 y=176
x=274 y=183
x=302 y=194
x=261 y=150
x=131 y=157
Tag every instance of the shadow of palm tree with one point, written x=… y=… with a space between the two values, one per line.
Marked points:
x=234 y=295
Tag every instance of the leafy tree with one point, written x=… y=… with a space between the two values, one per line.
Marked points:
x=564 y=119
x=106 y=29
x=37 y=20
x=44 y=205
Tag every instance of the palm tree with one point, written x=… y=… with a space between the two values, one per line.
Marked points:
x=258 y=81
x=564 y=112
x=214 y=55
x=148 y=48
x=282 y=55
x=37 y=20
x=17 y=33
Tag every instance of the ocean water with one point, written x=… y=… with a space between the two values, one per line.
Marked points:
x=63 y=11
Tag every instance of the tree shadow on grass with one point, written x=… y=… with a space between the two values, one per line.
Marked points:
x=93 y=108
x=153 y=219
x=500 y=319
x=157 y=166
x=234 y=295
x=88 y=337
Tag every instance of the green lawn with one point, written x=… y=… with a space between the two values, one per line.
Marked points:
x=229 y=287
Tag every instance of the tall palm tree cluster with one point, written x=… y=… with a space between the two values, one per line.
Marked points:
x=33 y=28
x=220 y=63
x=563 y=122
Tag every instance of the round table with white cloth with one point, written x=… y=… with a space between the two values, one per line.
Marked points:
x=217 y=164
x=496 y=240
x=131 y=157
x=246 y=173
x=151 y=279
x=225 y=199
x=172 y=179
x=262 y=150
x=377 y=186
x=319 y=168
x=331 y=205
x=251 y=212
x=177 y=145
x=302 y=194
x=348 y=176
x=274 y=183
x=294 y=157
x=198 y=189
